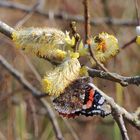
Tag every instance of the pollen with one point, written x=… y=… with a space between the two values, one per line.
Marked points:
x=58 y=79
x=47 y=85
x=104 y=46
x=74 y=54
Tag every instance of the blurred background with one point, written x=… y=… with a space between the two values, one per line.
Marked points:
x=21 y=116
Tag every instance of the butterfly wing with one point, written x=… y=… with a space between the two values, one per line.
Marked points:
x=72 y=100
x=80 y=98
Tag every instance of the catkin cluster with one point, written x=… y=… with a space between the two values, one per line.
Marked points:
x=57 y=47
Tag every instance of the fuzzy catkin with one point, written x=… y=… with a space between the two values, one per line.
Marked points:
x=55 y=82
x=46 y=43
x=104 y=46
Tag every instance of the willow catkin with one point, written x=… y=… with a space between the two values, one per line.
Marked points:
x=104 y=46
x=49 y=43
x=56 y=81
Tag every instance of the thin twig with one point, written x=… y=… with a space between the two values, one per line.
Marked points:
x=133 y=40
x=135 y=80
x=35 y=93
x=75 y=35
x=120 y=122
x=114 y=106
x=138 y=23
x=68 y=17
x=87 y=19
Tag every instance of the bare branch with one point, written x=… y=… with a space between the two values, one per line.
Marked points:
x=35 y=93
x=120 y=122
x=131 y=118
x=133 y=40
x=68 y=17
x=6 y=30
x=87 y=19
x=135 y=80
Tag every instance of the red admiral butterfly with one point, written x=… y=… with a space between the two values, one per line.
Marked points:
x=80 y=98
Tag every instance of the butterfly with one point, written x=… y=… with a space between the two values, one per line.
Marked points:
x=80 y=98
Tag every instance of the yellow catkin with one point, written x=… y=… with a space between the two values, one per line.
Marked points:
x=105 y=46
x=138 y=40
x=55 y=82
x=38 y=37
x=49 y=43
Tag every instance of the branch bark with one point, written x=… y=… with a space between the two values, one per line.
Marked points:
x=134 y=80
x=87 y=19
x=131 y=118
x=121 y=125
x=6 y=30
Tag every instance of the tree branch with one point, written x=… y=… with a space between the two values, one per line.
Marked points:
x=131 y=118
x=88 y=42
x=135 y=80
x=133 y=40
x=121 y=125
x=68 y=17
x=35 y=93
x=6 y=30
x=87 y=19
